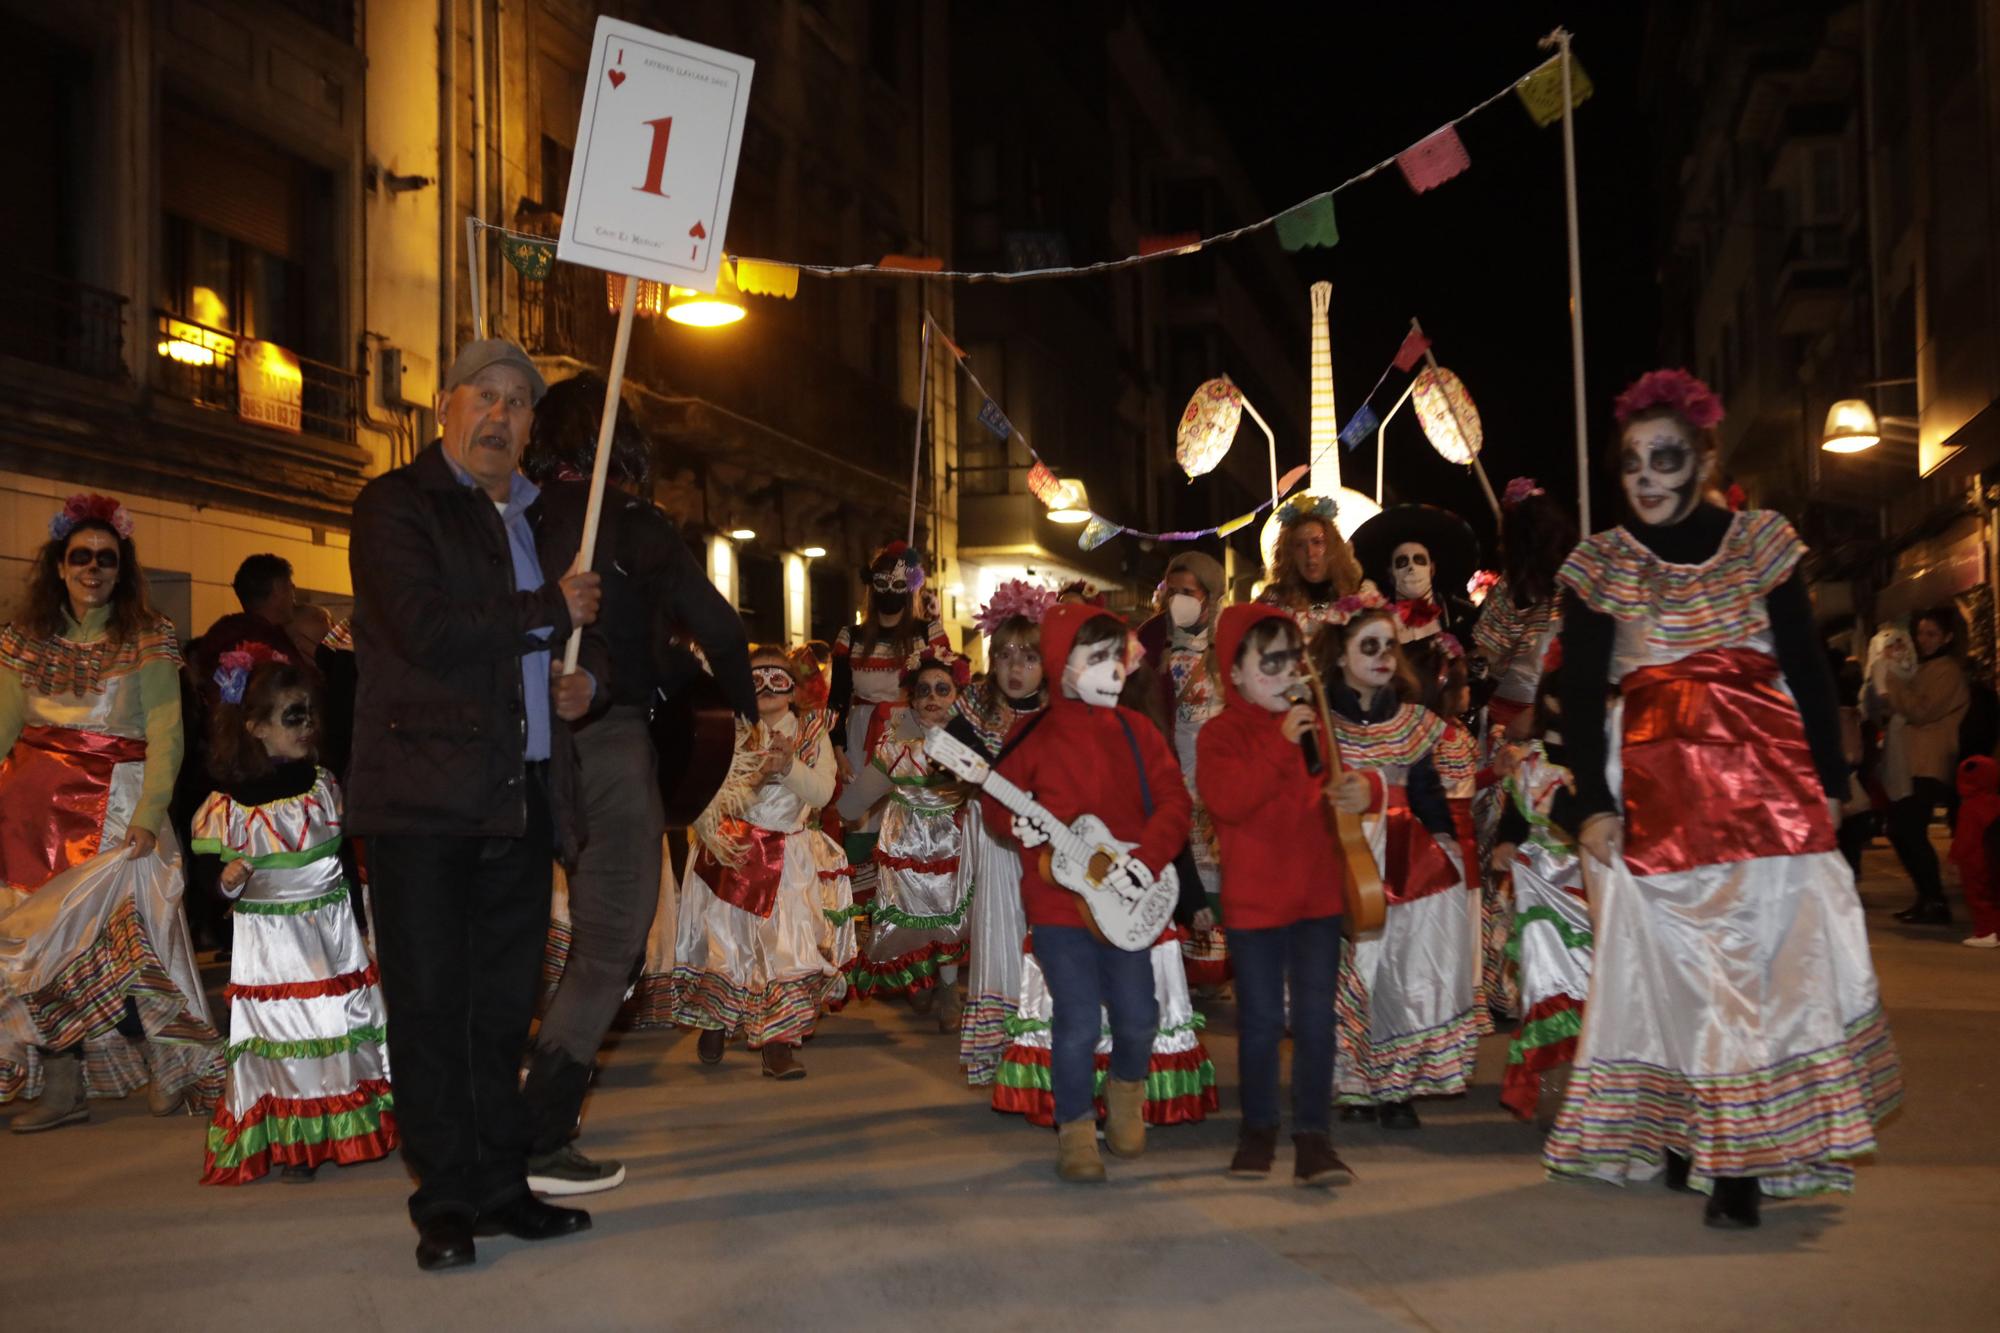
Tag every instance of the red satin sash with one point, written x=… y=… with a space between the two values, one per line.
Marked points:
x=752 y=886
x=55 y=785
x=1716 y=766
x=1416 y=866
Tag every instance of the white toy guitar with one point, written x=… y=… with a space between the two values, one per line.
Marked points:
x=1079 y=856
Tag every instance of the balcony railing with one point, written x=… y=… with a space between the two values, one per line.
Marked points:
x=53 y=321
x=199 y=365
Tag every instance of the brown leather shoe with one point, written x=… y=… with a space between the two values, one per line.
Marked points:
x=1316 y=1163
x=779 y=1064
x=1256 y=1150
x=1125 y=1116
x=710 y=1045
x=1076 y=1152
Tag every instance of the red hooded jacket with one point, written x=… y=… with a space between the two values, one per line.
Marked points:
x=1281 y=861
x=1076 y=759
x=1978 y=809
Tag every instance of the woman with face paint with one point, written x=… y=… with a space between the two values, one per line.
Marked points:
x=1405 y=1001
x=917 y=932
x=870 y=662
x=1734 y=1032
x=1099 y=1028
x=990 y=712
x=90 y=875
x=762 y=942
x=1178 y=644
x=308 y=1057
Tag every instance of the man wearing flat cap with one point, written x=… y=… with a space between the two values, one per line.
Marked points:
x=463 y=781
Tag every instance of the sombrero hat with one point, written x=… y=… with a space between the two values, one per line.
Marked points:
x=1450 y=540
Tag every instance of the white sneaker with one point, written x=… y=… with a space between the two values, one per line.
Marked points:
x=1982 y=942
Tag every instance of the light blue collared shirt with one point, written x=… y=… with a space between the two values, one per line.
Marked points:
x=527 y=578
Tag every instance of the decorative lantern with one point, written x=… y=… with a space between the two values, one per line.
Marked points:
x=1208 y=427
x=1445 y=410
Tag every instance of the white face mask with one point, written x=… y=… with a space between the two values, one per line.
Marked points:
x=1410 y=564
x=1184 y=610
x=1095 y=673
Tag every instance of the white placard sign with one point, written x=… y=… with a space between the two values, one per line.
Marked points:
x=656 y=146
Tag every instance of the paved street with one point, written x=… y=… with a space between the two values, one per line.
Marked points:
x=881 y=1194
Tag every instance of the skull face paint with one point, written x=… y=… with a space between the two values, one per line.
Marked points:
x=890 y=584
x=1368 y=657
x=1411 y=569
x=1265 y=677
x=1095 y=673
x=1661 y=470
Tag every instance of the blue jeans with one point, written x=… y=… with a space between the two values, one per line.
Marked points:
x=1306 y=953
x=1084 y=974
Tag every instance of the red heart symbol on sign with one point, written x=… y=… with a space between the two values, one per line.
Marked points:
x=697 y=230
x=617 y=77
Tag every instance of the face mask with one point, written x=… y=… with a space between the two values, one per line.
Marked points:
x=889 y=603
x=1410 y=564
x=1661 y=472
x=1095 y=673
x=1184 y=610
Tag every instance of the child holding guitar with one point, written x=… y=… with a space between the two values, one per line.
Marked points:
x=1406 y=994
x=1089 y=756
x=1283 y=879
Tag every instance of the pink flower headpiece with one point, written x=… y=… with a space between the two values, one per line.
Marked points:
x=959 y=665
x=84 y=506
x=1690 y=399
x=233 y=668
x=1354 y=605
x=1481 y=583
x=1520 y=489
x=1015 y=597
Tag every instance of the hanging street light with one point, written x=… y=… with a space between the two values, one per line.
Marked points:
x=1851 y=427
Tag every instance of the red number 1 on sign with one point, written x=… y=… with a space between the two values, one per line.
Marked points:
x=656 y=162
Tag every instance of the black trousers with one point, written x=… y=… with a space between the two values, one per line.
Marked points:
x=460 y=926
x=1909 y=833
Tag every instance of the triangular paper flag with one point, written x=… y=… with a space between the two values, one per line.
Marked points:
x=531 y=259
x=760 y=279
x=1097 y=532
x=1042 y=483
x=1433 y=161
x=1412 y=350
x=1292 y=478
x=1542 y=91
x=1237 y=524
x=1359 y=427
x=991 y=417
x=1311 y=223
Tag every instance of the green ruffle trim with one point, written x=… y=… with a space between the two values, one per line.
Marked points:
x=1019 y=1027
x=312 y=1048
x=313 y=1130
x=1572 y=938
x=840 y=916
x=888 y=914
x=865 y=979
x=299 y=908
x=272 y=860
x=1558 y=1026
x=1161 y=1084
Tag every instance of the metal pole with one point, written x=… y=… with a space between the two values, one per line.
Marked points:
x=923 y=406
x=1560 y=38
x=476 y=273
x=600 y=468
x=1382 y=434
x=1269 y=439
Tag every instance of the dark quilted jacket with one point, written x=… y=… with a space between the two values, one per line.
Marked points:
x=439 y=632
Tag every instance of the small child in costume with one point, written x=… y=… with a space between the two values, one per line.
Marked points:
x=758 y=946
x=1090 y=755
x=1283 y=881
x=308 y=1056
x=1975 y=847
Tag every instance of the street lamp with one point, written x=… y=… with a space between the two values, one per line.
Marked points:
x=1070 y=503
x=702 y=311
x=814 y=553
x=743 y=534
x=1852 y=426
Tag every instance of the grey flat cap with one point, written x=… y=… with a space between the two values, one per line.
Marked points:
x=480 y=353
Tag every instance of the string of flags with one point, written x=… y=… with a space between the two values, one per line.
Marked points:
x=1048 y=486
x=1426 y=164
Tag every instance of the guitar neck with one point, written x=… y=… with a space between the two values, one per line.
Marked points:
x=1020 y=803
x=1321 y=419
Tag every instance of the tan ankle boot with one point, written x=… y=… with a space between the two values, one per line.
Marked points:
x=1124 y=1117
x=62 y=1100
x=1076 y=1152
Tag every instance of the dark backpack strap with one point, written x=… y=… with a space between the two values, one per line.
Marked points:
x=1145 y=788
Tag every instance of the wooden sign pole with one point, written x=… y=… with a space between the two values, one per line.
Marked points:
x=600 y=470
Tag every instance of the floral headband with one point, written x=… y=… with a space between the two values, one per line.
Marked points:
x=930 y=655
x=233 y=668
x=1015 y=597
x=1355 y=605
x=904 y=560
x=84 y=506
x=1481 y=583
x=1519 y=489
x=1689 y=399
x=1304 y=506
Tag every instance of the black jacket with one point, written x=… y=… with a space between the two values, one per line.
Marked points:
x=439 y=632
x=651 y=586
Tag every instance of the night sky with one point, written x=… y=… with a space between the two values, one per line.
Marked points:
x=1309 y=96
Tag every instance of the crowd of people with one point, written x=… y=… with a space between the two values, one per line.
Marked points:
x=1607 y=800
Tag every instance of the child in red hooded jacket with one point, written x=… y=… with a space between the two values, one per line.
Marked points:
x=1087 y=754
x=1283 y=883
x=1975 y=847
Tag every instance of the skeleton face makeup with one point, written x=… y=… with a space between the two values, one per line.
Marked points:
x=931 y=695
x=1095 y=673
x=891 y=584
x=1265 y=677
x=1410 y=568
x=1368 y=658
x=1662 y=471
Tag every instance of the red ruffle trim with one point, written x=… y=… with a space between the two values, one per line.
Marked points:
x=1521 y=1084
x=343 y=984
x=944 y=865
x=346 y=1152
